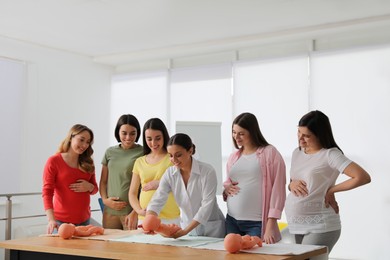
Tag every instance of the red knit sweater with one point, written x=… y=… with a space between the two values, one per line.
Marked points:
x=68 y=206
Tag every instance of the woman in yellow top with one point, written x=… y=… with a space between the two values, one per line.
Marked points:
x=148 y=171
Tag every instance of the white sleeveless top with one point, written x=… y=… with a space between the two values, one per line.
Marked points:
x=247 y=204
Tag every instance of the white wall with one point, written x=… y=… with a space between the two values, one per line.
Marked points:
x=352 y=87
x=65 y=88
x=62 y=89
x=12 y=84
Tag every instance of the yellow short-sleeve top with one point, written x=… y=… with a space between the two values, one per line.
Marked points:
x=149 y=172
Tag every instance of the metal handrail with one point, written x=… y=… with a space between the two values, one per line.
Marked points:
x=8 y=212
x=8 y=216
x=30 y=216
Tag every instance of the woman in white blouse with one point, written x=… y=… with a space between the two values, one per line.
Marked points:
x=193 y=184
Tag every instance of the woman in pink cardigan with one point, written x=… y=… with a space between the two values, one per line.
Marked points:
x=255 y=187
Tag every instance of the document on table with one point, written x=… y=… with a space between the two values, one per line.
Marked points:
x=199 y=242
x=188 y=241
x=268 y=249
x=137 y=236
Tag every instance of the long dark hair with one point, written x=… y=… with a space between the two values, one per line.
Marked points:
x=155 y=124
x=318 y=123
x=249 y=122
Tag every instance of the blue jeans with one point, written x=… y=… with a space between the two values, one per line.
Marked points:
x=243 y=227
x=85 y=223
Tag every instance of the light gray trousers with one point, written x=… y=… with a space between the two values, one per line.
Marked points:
x=328 y=239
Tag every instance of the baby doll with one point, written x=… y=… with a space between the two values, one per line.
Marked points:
x=234 y=242
x=152 y=224
x=68 y=230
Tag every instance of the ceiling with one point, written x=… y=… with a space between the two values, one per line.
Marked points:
x=104 y=28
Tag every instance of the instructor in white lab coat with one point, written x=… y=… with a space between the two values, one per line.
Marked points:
x=193 y=184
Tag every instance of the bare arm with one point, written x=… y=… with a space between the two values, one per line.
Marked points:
x=186 y=230
x=133 y=195
x=269 y=236
x=358 y=177
x=103 y=182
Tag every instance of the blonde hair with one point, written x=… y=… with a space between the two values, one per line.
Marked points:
x=85 y=159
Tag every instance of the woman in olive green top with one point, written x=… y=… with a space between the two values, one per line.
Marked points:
x=117 y=168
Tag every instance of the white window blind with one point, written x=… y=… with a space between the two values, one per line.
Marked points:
x=12 y=84
x=353 y=88
x=143 y=95
x=276 y=91
x=204 y=94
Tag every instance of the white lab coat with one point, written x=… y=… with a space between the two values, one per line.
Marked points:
x=196 y=202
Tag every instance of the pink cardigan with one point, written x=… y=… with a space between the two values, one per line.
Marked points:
x=274 y=183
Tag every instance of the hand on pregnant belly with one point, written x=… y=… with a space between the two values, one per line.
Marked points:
x=232 y=189
x=299 y=188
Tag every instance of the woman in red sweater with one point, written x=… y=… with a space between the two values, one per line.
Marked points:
x=69 y=180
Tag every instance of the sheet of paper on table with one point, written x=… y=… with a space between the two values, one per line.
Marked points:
x=216 y=244
x=137 y=236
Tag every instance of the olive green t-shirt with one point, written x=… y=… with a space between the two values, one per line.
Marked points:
x=120 y=164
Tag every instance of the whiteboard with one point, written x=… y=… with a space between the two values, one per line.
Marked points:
x=207 y=139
